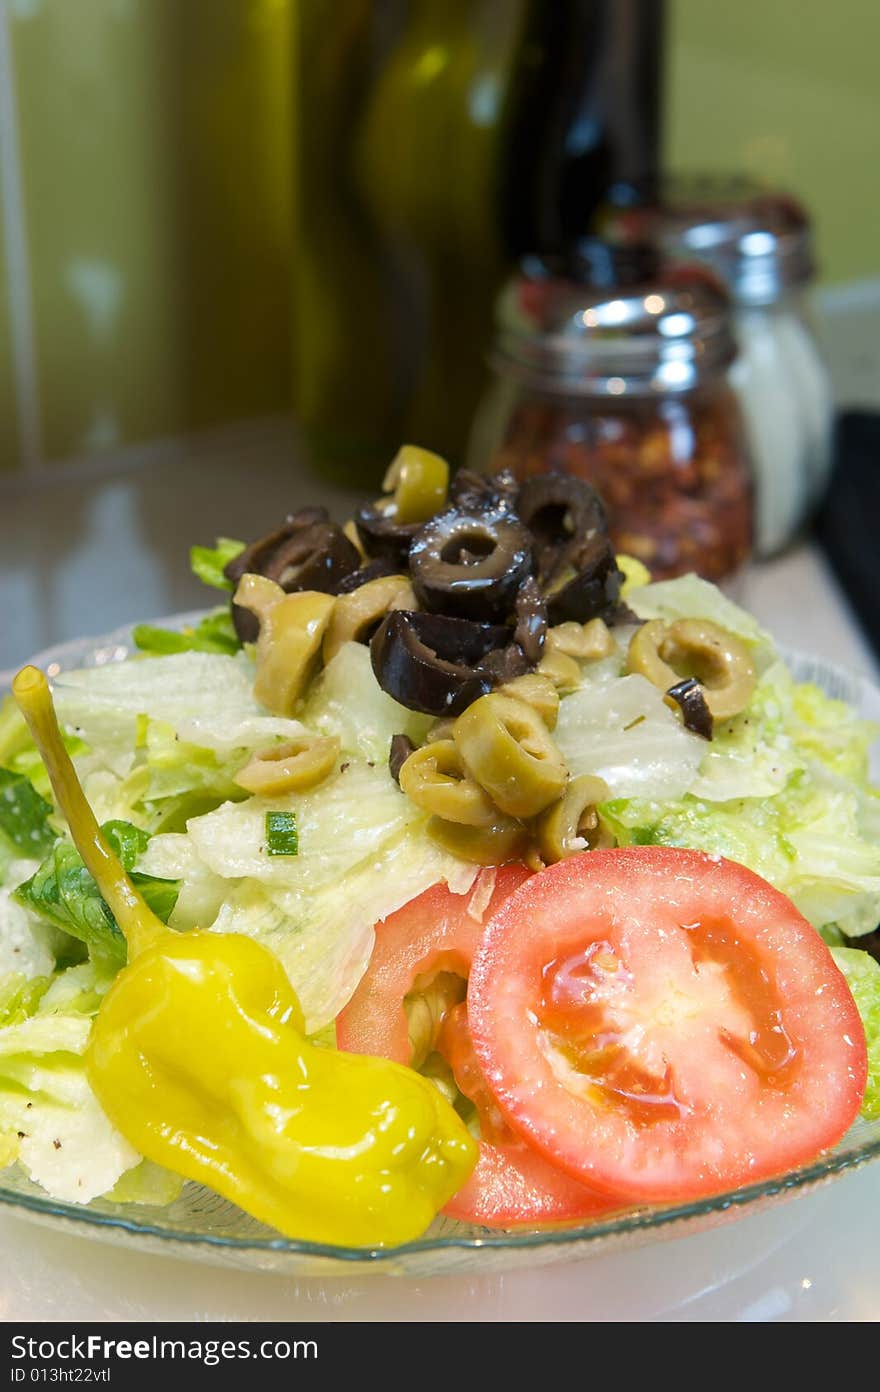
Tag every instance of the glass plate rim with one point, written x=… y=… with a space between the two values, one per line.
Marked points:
x=642 y=1220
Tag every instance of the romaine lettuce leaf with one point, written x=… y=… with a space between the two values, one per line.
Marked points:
x=63 y=892
x=215 y=633
x=862 y=974
x=208 y=562
x=24 y=816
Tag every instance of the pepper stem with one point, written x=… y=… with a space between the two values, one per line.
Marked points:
x=139 y=924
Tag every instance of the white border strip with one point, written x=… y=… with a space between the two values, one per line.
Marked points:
x=18 y=274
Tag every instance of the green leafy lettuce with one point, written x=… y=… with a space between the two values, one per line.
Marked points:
x=862 y=973
x=63 y=892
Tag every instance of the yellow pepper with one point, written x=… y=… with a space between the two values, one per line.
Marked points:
x=198 y=1056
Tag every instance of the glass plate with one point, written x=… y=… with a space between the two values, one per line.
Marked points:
x=201 y=1226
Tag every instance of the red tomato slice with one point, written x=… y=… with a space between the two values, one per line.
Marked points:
x=664 y=1025
x=439 y=931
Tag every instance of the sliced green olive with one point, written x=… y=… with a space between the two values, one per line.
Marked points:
x=572 y=824
x=506 y=839
x=355 y=614
x=560 y=669
x=588 y=642
x=292 y=767
x=434 y=778
x=440 y=730
x=538 y=692
x=665 y=652
x=419 y=480
x=292 y=629
x=506 y=747
x=635 y=574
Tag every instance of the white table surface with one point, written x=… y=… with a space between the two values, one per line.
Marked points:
x=86 y=554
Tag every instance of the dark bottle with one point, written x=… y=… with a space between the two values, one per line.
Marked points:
x=582 y=119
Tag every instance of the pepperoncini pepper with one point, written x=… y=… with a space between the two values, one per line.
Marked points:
x=198 y=1056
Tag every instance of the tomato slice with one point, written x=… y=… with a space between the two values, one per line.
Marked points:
x=438 y=932
x=662 y=1024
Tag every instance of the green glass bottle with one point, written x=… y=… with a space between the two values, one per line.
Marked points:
x=396 y=254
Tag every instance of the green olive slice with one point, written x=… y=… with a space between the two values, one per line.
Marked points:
x=665 y=652
x=356 y=614
x=588 y=642
x=435 y=780
x=506 y=839
x=572 y=824
x=537 y=691
x=291 y=767
x=419 y=480
x=506 y=747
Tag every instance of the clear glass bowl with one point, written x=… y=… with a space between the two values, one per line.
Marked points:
x=201 y=1226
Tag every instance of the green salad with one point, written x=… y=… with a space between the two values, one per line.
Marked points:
x=160 y=738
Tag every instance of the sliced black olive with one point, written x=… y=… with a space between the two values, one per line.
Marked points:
x=432 y=663
x=401 y=748
x=559 y=510
x=308 y=552
x=505 y=664
x=383 y=537
x=253 y=558
x=689 y=696
x=470 y=564
x=593 y=590
x=373 y=570
x=472 y=492
x=531 y=620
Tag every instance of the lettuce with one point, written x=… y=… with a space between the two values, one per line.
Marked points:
x=808 y=841
x=63 y=892
x=206 y=699
x=623 y=731
x=214 y=633
x=25 y=829
x=208 y=562
x=862 y=974
x=50 y=1120
x=348 y=702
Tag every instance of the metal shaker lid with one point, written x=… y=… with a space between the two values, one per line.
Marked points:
x=611 y=321
x=758 y=241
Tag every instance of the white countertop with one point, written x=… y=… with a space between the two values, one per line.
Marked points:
x=85 y=554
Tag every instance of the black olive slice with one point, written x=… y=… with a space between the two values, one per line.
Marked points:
x=559 y=510
x=531 y=620
x=690 y=698
x=432 y=663
x=373 y=570
x=470 y=564
x=401 y=748
x=383 y=537
x=472 y=492
x=594 y=589
x=308 y=552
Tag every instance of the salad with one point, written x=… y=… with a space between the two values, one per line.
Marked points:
x=450 y=865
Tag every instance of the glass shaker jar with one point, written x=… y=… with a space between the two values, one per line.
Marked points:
x=760 y=245
x=623 y=382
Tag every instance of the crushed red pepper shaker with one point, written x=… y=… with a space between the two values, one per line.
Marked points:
x=613 y=367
